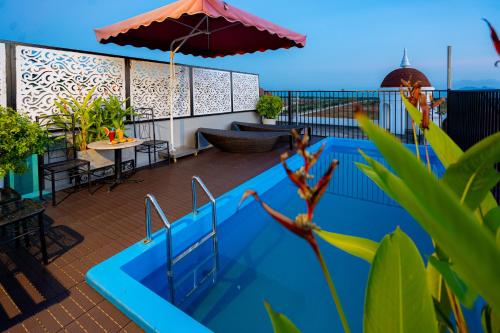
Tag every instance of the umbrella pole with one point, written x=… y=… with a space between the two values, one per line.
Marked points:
x=171 y=93
x=172 y=82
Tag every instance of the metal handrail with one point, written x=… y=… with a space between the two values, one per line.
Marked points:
x=148 y=199
x=198 y=180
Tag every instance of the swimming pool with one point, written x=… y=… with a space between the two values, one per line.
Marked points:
x=258 y=259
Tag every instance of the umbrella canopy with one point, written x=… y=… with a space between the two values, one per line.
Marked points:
x=207 y=28
x=215 y=29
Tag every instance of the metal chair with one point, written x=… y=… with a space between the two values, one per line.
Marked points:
x=145 y=129
x=60 y=160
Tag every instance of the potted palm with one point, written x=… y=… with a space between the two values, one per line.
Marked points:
x=269 y=107
x=19 y=138
x=92 y=116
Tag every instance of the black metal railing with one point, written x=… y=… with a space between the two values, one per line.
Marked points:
x=472 y=116
x=468 y=116
x=331 y=113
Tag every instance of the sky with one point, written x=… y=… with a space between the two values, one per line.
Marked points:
x=351 y=44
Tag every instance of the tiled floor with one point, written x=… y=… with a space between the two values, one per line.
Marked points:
x=85 y=230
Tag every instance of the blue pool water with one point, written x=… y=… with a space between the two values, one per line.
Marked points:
x=260 y=260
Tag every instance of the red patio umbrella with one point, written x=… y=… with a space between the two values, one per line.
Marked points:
x=207 y=28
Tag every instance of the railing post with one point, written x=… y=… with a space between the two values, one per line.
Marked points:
x=194 y=197
x=289 y=101
x=147 y=208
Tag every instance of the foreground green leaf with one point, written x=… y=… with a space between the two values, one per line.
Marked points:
x=464 y=293
x=397 y=296
x=474 y=174
x=357 y=246
x=444 y=147
x=470 y=246
x=492 y=220
x=281 y=324
x=393 y=186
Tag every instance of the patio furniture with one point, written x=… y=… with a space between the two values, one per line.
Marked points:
x=241 y=126
x=117 y=148
x=241 y=141
x=16 y=213
x=301 y=129
x=145 y=129
x=60 y=161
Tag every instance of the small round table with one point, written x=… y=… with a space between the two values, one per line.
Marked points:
x=106 y=145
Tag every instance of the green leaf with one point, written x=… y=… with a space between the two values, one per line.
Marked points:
x=443 y=315
x=281 y=324
x=393 y=186
x=360 y=247
x=492 y=220
x=464 y=293
x=443 y=146
x=474 y=174
x=454 y=227
x=397 y=296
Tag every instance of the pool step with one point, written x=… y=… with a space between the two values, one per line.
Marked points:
x=191 y=281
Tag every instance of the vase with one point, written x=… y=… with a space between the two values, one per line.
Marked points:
x=267 y=121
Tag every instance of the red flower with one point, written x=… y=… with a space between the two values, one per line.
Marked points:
x=303 y=225
x=494 y=38
x=413 y=90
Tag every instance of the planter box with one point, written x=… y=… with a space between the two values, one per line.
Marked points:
x=97 y=159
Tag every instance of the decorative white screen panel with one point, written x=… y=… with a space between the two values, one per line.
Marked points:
x=44 y=74
x=245 y=91
x=211 y=91
x=3 y=76
x=150 y=88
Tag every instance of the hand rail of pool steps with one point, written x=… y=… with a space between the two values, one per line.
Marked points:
x=171 y=261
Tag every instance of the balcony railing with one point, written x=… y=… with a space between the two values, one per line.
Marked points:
x=331 y=113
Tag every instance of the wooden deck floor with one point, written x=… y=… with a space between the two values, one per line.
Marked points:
x=85 y=230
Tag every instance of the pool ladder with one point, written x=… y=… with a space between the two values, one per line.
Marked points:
x=171 y=260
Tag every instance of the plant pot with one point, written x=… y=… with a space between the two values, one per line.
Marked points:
x=267 y=121
x=97 y=159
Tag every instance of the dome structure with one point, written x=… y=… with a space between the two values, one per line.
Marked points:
x=392 y=112
x=405 y=72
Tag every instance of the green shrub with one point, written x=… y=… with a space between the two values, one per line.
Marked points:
x=19 y=138
x=269 y=106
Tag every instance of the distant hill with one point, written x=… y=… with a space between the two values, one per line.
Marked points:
x=476 y=88
x=477 y=84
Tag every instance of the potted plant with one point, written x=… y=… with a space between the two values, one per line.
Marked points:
x=269 y=107
x=19 y=138
x=92 y=116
